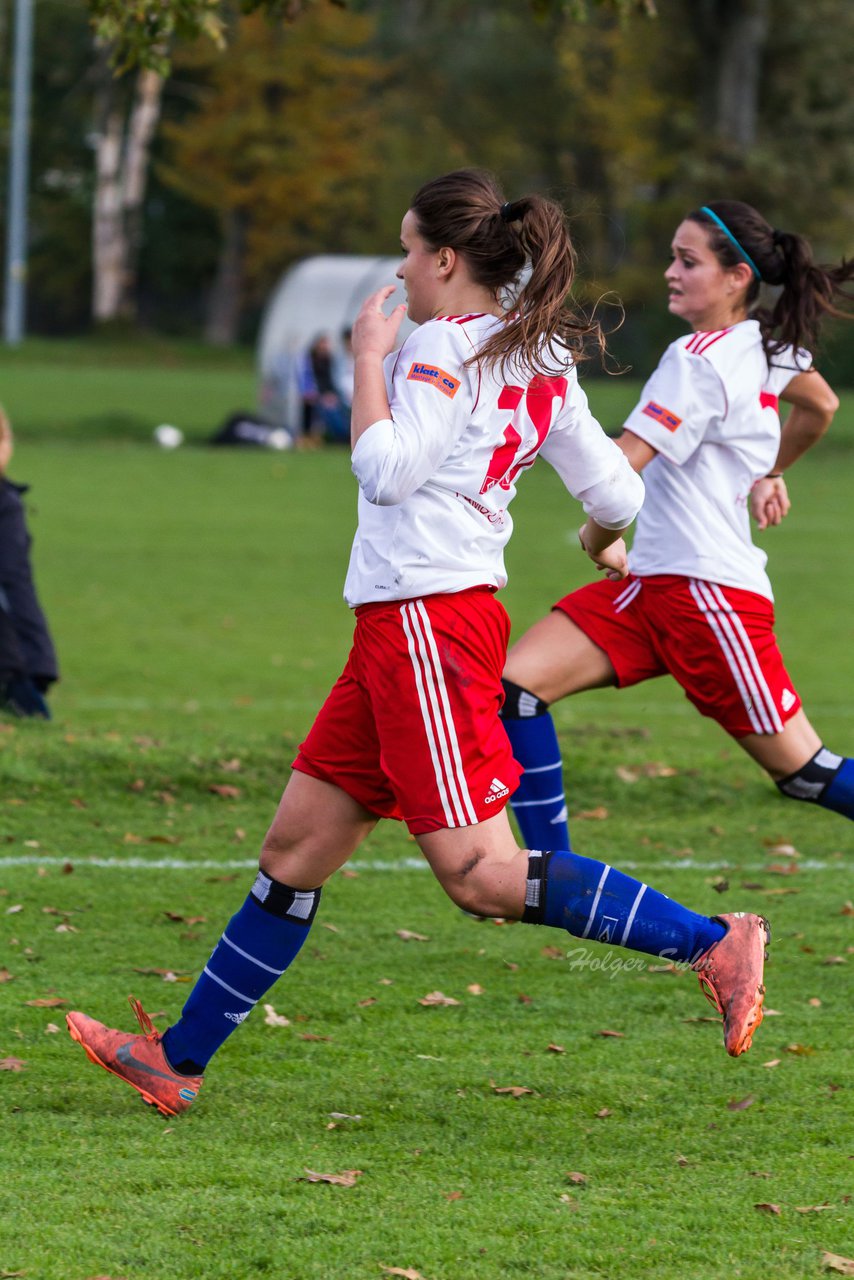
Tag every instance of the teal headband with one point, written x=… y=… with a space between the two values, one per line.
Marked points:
x=725 y=229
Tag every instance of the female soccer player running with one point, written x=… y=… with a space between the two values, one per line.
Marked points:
x=698 y=603
x=441 y=431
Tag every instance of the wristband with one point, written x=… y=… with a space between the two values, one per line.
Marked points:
x=774 y=475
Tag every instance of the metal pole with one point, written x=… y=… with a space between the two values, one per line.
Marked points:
x=16 y=238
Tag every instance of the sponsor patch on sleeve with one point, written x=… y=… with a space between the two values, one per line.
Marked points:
x=662 y=415
x=436 y=377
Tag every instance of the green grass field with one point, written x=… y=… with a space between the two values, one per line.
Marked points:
x=196 y=602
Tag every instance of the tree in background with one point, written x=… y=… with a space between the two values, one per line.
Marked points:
x=283 y=143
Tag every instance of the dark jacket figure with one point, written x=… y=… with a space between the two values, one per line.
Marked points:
x=28 y=665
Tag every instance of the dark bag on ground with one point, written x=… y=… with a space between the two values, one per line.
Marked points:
x=249 y=431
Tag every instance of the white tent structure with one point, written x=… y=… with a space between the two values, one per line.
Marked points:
x=318 y=295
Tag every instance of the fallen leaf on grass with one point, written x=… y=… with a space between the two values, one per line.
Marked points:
x=815 y=1002
x=603 y=1113
x=615 y=1035
x=188 y=920
x=49 y=1002
x=6 y=976
x=369 y=1000
x=307 y=1035
x=812 y=1208
x=168 y=975
x=835 y=1262
x=523 y=999
x=782 y=868
x=51 y=1029
x=514 y=1090
x=452 y=1195
x=835 y=960
x=741 y=1104
x=342 y=1115
x=801 y=1050
x=406 y=935
x=768 y=1208
x=434 y=998
x=324 y=924
x=556 y=1048
x=576 y=1177
x=774 y=1062
x=345 y=1179
x=848 y=909
x=553 y=953
x=224 y=789
x=12 y=1064
x=8 y=1275
x=408 y=1273
x=760 y=1173
x=475 y=989
x=13 y=911
x=570 y=1202
x=599 y=814
x=273 y=1019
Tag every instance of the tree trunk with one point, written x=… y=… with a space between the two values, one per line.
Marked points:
x=121 y=171
x=226 y=296
x=732 y=35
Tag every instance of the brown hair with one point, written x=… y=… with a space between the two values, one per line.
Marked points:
x=808 y=292
x=466 y=211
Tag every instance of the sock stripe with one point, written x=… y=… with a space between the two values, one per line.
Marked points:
x=246 y=956
x=231 y=991
x=544 y=768
x=528 y=804
x=632 y=915
x=600 y=886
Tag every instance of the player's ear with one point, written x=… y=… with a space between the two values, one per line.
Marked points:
x=445 y=259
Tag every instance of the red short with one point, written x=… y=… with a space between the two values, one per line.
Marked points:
x=411 y=728
x=718 y=642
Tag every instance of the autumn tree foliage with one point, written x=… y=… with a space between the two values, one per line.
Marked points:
x=282 y=141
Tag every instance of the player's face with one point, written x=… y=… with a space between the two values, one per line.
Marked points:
x=702 y=292
x=418 y=272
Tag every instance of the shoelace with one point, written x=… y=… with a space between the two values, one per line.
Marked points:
x=143 y=1019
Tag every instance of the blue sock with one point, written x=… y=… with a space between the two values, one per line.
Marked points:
x=592 y=900
x=258 y=944
x=827 y=780
x=839 y=795
x=539 y=803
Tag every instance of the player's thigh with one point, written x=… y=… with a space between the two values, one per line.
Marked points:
x=316 y=828
x=555 y=658
x=480 y=867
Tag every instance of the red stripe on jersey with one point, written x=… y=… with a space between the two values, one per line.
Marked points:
x=769 y=401
x=475 y=315
x=707 y=340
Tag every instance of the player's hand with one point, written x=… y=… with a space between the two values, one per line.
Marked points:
x=769 y=501
x=612 y=560
x=374 y=332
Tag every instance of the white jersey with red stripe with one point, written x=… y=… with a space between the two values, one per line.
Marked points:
x=436 y=478
x=710 y=410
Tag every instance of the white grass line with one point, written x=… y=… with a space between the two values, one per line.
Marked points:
x=403 y=864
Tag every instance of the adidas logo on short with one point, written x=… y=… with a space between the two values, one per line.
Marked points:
x=497 y=791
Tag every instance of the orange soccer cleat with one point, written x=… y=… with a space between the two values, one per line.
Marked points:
x=730 y=973
x=139 y=1060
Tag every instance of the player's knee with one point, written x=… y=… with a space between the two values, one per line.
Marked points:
x=812 y=779
x=473 y=886
x=519 y=703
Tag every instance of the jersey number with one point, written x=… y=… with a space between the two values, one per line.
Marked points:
x=508 y=460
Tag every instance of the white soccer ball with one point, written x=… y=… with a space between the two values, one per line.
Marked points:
x=281 y=439
x=168 y=437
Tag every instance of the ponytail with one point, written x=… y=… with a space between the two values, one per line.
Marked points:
x=808 y=292
x=466 y=211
